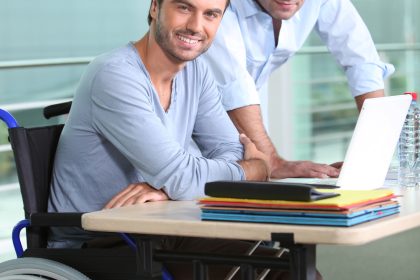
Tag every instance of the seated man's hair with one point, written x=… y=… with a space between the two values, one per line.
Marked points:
x=149 y=18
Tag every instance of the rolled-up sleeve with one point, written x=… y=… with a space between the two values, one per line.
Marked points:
x=227 y=61
x=348 y=39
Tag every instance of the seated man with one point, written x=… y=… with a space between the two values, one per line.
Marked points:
x=133 y=116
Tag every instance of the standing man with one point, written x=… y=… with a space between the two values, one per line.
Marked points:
x=258 y=36
x=133 y=116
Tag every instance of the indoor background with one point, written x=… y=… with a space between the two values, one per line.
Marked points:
x=45 y=46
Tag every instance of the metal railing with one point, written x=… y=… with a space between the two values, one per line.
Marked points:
x=32 y=105
x=86 y=59
x=12 y=64
x=51 y=62
x=379 y=47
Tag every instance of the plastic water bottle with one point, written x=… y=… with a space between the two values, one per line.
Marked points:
x=409 y=147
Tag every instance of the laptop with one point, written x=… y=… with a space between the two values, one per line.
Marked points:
x=372 y=145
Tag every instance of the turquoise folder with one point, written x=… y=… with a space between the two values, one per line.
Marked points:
x=300 y=218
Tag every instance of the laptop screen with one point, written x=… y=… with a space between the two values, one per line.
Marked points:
x=373 y=142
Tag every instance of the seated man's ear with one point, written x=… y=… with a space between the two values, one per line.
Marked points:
x=153 y=9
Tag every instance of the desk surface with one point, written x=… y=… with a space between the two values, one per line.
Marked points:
x=182 y=218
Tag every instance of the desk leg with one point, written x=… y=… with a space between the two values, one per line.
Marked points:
x=302 y=262
x=147 y=268
x=302 y=256
x=199 y=270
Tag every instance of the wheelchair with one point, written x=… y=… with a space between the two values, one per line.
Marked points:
x=34 y=151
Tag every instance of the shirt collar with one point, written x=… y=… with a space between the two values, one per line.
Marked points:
x=246 y=8
x=249 y=8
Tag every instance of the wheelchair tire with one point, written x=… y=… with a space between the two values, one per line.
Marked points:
x=29 y=268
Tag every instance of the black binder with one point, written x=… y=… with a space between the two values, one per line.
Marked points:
x=267 y=190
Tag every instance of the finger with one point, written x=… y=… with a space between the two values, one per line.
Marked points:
x=315 y=170
x=133 y=200
x=316 y=174
x=119 y=195
x=145 y=198
x=148 y=197
x=325 y=173
x=330 y=171
x=130 y=200
x=147 y=194
x=123 y=196
x=250 y=150
x=337 y=165
x=158 y=195
x=139 y=190
x=244 y=139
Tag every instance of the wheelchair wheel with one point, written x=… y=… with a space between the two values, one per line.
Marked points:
x=38 y=268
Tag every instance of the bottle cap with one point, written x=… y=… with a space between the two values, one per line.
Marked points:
x=413 y=94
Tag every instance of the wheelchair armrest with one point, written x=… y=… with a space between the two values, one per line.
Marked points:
x=44 y=220
x=56 y=219
x=57 y=109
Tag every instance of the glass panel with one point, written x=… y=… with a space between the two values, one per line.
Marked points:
x=7 y=169
x=324 y=111
x=41 y=83
x=57 y=28
x=11 y=212
x=44 y=30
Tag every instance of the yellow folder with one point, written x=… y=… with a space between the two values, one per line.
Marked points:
x=346 y=200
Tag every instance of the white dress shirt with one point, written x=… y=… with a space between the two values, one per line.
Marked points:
x=244 y=54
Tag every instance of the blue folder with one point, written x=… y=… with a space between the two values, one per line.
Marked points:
x=299 y=218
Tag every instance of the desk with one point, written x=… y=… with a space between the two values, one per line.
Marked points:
x=182 y=218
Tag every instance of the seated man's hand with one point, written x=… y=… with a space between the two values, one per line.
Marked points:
x=255 y=163
x=135 y=194
x=250 y=150
x=305 y=169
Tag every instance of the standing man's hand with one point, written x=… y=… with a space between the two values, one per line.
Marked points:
x=281 y=168
x=248 y=120
x=135 y=194
x=306 y=169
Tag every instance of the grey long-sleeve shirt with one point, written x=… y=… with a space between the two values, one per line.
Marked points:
x=117 y=133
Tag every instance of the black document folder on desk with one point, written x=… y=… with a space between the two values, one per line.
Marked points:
x=265 y=191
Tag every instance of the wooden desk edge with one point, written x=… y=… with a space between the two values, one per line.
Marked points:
x=116 y=220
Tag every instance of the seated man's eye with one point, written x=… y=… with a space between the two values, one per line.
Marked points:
x=212 y=15
x=183 y=7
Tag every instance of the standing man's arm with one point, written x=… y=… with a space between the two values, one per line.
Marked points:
x=241 y=99
x=248 y=120
x=361 y=98
x=217 y=137
x=345 y=34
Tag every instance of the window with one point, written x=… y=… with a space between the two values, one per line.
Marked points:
x=45 y=47
x=312 y=87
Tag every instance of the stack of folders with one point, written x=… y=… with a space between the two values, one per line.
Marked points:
x=293 y=203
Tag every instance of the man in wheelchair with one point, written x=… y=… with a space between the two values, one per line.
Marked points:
x=128 y=135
